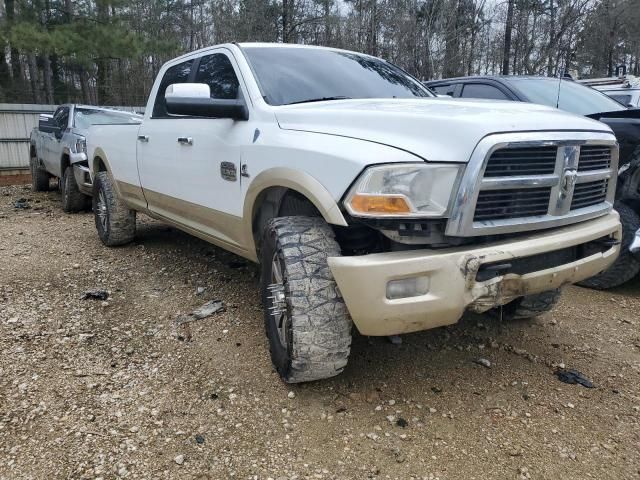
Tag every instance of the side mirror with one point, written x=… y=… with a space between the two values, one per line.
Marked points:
x=47 y=125
x=194 y=100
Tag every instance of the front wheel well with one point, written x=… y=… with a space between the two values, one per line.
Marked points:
x=99 y=165
x=279 y=202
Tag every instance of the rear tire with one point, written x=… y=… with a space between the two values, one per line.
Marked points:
x=39 y=177
x=115 y=221
x=531 y=306
x=306 y=319
x=73 y=200
x=626 y=265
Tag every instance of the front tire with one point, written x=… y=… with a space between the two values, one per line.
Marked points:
x=626 y=265
x=115 y=221
x=306 y=319
x=530 y=306
x=39 y=177
x=73 y=200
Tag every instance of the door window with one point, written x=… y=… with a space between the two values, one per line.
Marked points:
x=61 y=118
x=444 y=89
x=482 y=90
x=217 y=72
x=177 y=74
x=622 y=99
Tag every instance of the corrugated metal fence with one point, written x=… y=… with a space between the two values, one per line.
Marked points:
x=16 y=122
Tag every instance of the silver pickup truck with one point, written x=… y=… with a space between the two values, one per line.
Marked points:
x=58 y=149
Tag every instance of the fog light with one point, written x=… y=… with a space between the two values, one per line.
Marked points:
x=407 y=287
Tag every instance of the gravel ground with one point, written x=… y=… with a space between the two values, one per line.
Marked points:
x=105 y=389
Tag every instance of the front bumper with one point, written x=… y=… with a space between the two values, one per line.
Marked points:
x=452 y=277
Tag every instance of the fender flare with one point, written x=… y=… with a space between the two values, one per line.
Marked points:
x=99 y=155
x=296 y=180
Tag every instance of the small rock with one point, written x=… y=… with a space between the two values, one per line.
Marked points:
x=291 y=395
x=199 y=439
x=483 y=361
x=392 y=402
x=395 y=339
x=179 y=459
x=200 y=290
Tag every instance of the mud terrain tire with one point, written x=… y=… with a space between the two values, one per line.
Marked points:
x=72 y=199
x=626 y=265
x=311 y=338
x=39 y=177
x=115 y=222
x=530 y=306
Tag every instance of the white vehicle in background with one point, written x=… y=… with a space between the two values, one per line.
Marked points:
x=58 y=149
x=624 y=89
x=364 y=197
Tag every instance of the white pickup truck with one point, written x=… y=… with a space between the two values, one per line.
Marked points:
x=58 y=149
x=364 y=198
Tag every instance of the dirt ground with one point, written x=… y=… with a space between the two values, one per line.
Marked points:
x=105 y=389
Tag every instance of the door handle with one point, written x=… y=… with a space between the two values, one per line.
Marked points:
x=185 y=140
x=143 y=138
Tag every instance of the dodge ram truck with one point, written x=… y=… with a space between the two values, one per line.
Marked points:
x=364 y=198
x=58 y=149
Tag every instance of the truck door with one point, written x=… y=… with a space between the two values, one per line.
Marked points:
x=54 y=141
x=190 y=167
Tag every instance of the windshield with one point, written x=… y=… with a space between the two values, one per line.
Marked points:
x=289 y=75
x=85 y=117
x=574 y=98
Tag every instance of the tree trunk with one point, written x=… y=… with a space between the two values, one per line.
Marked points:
x=285 y=21
x=102 y=64
x=552 y=39
x=507 y=38
x=33 y=78
x=48 y=79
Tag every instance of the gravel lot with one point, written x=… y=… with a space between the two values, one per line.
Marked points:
x=105 y=389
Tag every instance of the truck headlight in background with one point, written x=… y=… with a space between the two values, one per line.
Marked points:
x=81 y=145
x=411 y=190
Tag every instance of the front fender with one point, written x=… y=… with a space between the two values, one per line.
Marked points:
x=296 y=180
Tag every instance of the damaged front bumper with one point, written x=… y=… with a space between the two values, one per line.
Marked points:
x=478 y=279
x=81 y=173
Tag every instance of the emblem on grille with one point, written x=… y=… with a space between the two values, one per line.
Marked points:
x=568 y=180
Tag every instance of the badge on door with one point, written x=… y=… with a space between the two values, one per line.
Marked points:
x=228 y=171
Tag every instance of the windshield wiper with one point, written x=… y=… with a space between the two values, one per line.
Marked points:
x=322 y=99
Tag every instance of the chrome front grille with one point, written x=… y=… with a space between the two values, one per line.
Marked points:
x=518 y=185
x=594 y=157
x=500 y=204
x=522 y=161
x=588 y=194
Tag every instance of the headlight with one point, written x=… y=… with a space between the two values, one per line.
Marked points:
x=403 y=190
x=80 y=145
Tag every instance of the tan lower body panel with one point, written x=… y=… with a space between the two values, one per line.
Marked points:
x=132 y=195
x=211 y=225
x=451 y=277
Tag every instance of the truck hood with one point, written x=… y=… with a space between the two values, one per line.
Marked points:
x=437 y=129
